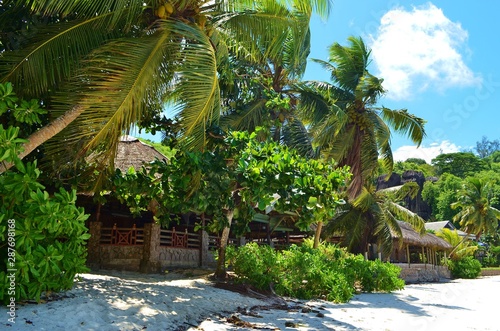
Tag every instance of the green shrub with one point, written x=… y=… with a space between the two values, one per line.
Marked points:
x=467 y=267
x=255 y=265
x=328 y=272
x=42 y=237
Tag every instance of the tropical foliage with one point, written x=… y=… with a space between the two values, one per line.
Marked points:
x=176 y=52
x=373 y=218
x=42 y=237
x=476 y=214
x=461 y=248
x=305 y=272
x=346 y=123
x=239 y=177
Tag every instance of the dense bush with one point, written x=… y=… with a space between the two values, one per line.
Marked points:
x=491 y=257
x=328 y=272
x=42 y=236
x=467 y=267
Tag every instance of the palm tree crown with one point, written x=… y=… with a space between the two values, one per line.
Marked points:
x=121 y=61
x=345 y=122
x=476 y=214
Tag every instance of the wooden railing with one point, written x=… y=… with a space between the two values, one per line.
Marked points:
x=179 y=239
x=122 y=236
x=214 y=242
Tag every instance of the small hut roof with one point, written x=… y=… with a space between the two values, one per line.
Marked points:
x=437 y=226
x=411 y=237
x=131 y=152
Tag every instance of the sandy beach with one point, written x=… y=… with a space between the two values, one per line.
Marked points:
x=130 y=301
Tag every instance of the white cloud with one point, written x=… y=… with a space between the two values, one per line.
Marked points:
x=427 y=153
x=420 y=49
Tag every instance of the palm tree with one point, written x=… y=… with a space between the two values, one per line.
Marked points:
x=114 y=63
x=267 y=92
x=346 y=123
x=462 y=248
x=373 y=217
x=476 y=214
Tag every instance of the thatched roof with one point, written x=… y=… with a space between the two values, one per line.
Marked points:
x=131 y=152
x=411 y=237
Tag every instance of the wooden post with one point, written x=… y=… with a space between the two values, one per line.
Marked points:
x=425 y=258
x=408 y=254
x=93 y=248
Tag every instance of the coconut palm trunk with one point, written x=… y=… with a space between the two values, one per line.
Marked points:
x=46 y=132
x=353 y=160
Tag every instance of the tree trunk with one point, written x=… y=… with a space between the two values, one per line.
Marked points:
x=220 y=272
x=47 y=132
x=353 y=160
x=319 y=227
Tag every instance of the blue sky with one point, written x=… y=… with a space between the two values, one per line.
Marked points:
x=438 y=59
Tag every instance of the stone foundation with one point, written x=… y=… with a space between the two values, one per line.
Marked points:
x=178 y=257
x=120 y=257
x=423 y=273
x=148 y=257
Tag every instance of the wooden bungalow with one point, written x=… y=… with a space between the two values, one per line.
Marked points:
x=121 y=241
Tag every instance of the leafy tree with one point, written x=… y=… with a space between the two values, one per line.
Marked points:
x=411 y=165
x=348 y=126
x=266 y=92
x=441 y=194
x=229 y=182
x=460 y=164
x=175 y=52
x=416 y=160
x=494 y=157
x=485 y=147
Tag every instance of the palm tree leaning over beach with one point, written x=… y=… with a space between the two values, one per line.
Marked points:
x=108 y=65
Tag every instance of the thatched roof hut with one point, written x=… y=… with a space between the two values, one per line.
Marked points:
x=132 y=152
x=413 y=238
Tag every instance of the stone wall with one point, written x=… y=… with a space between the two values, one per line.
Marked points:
x=150 y=257
x=490 y=272
x=423 y=273
x=178 y=257
x=120 y=257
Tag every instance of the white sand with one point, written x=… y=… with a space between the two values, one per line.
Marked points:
x=129 y=301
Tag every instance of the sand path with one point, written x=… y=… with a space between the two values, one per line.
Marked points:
x=128 y=301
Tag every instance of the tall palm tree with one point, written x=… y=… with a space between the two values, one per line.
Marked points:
x=107 y=65
x=476 y=214
x=346 y=123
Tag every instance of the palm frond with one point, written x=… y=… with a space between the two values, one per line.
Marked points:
x=405 y=215
x=54 y=54
x=365 y=200
x=296 y=136
x=248 y=118
x=405 y=123
x=123 y=84
x=351 y=60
